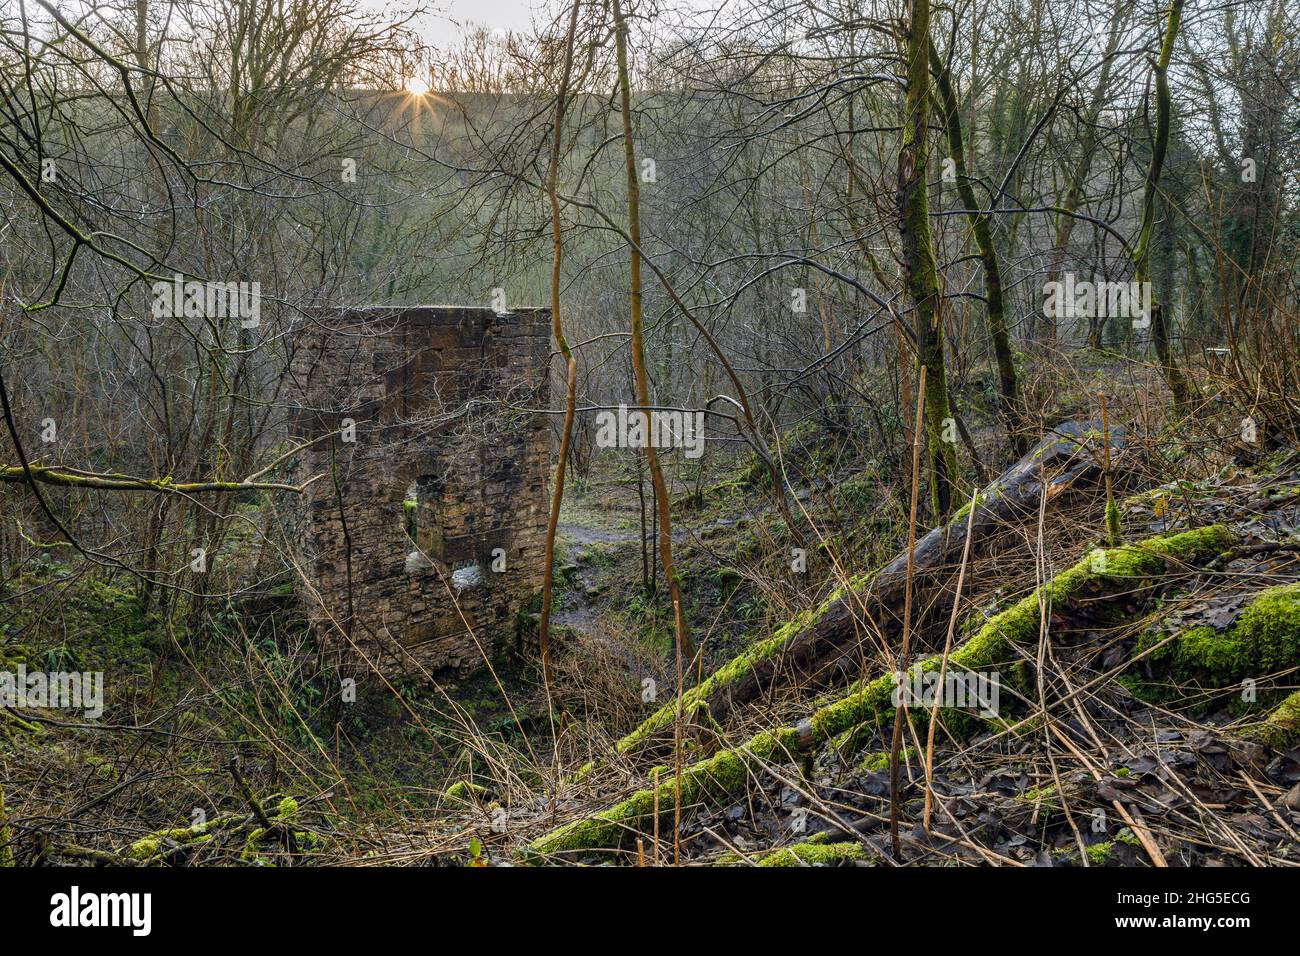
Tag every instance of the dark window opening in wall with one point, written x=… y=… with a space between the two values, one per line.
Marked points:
x=421 y=522
x=410 y=505
x=416 y=558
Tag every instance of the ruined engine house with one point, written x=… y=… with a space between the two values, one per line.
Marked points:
x=426 y=532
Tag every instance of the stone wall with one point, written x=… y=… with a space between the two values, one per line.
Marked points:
x=443 y=401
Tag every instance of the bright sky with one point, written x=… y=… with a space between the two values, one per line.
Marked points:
x=509 y=14
x=438 y=27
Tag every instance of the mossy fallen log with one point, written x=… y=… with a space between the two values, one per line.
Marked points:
x=1103 y=574
x=466 y=792
x=91 y=855
x=161 y=845
x=804 y=644
x=281 y=828
x=828 y=848
x=707 y=781
x=23 y=725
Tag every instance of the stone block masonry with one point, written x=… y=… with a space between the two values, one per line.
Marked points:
x=428 y=530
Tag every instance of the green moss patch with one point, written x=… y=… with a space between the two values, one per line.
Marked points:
x=1281 y=728
x=1264 y=640
x=1269 y=629
x=815 y=854
x=465 y=791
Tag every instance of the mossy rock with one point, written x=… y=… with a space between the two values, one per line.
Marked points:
x=1281 y=728
x=1269 y=629
x=1264 y=640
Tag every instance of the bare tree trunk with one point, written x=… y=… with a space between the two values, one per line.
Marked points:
x=1008 y=391
x=1079 y=177
x=1142 y=253
x=570 y=363
x=685 y=647
x=918 y=261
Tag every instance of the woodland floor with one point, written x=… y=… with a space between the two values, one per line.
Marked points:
x=1116 y=755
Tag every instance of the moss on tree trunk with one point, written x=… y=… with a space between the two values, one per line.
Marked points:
x=1160 y=331
x=918 y=261
x=1008 y=390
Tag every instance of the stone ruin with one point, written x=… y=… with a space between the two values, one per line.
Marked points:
x=426 y=533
